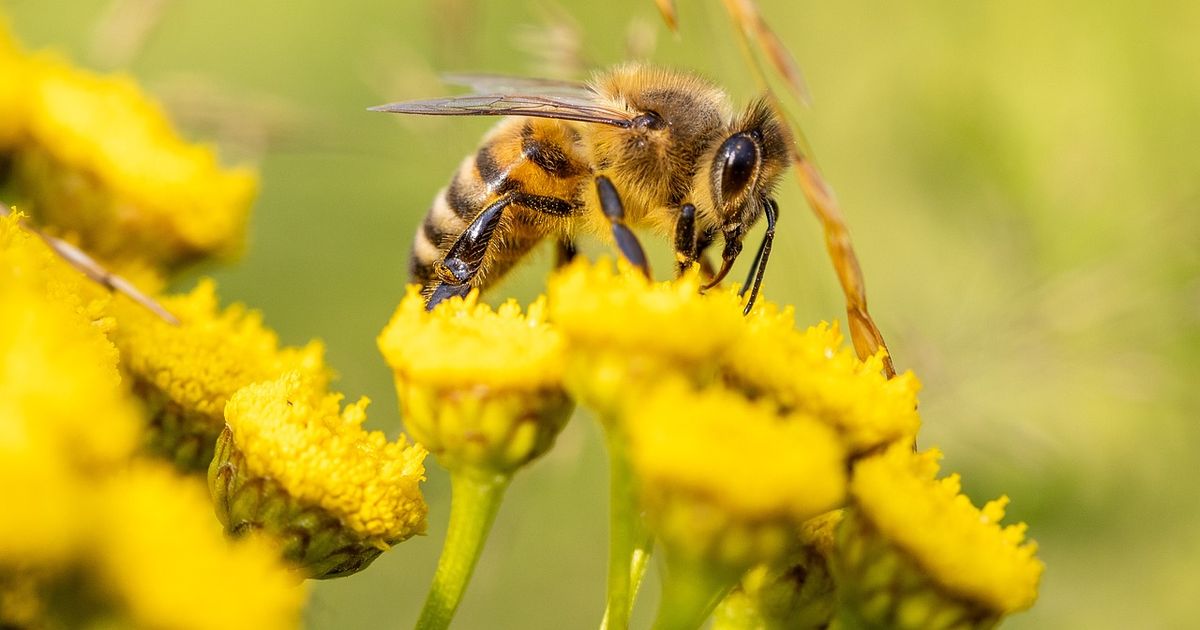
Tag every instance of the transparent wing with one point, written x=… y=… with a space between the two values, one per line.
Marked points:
x=563 y=107
x=504 y=84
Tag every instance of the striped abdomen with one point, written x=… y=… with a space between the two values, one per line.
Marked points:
x=538 y=164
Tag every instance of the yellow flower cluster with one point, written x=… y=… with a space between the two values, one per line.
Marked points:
x=479 y=388
x=188 y=372
x=100 y=161
x=291 y=431
x=740 y=428
x=131 y=541
x=962 y=548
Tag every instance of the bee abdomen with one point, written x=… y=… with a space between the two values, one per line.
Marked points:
x=532 y=164
x=448 y=217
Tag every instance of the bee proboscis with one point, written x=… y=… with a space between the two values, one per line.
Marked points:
x=638 y=146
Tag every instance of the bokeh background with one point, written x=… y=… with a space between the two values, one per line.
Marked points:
x=1022 y=180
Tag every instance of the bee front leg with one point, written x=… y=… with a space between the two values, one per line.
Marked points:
x=614 y=210
x=685 y=238
x=759 y=266
x=464 y=258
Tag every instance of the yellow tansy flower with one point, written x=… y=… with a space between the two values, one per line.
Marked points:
x=101 y=161
x=187 y=373
x=292 y=461
x=482 y=390
x=478 y=387
x=728 y=479
x=625 y=330
x=811 y=371
x=956 y=563
x=163 y=558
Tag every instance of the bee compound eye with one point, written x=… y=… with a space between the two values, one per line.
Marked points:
x=738 y=160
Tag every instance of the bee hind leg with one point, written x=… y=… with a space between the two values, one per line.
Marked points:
x=464 y=258
x=614 y=210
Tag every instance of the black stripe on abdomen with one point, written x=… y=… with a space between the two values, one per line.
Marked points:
x=547 y=156
x=459 y=200
x=489 y=170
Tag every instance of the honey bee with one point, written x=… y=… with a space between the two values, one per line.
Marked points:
x=638 y=146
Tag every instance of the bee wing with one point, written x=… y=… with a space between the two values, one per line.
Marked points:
x=581 y=109
x=504 y=84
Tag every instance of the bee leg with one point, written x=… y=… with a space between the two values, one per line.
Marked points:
x=759 y=266
x=627 y=243
x=465 y=256
x=446 y=291
x=565 y=252
x=685 y=238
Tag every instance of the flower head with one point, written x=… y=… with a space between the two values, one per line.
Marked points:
x=729 y=479
x=291 y=431
x=187 y=373
x=100 y=160
x=478 y=387
x=970 y=568
x=811 y=371
x=625 y=329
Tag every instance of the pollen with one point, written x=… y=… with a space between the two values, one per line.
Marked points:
x=294 y=432
x=963 y=548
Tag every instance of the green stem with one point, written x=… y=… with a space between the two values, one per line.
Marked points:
x=629 y=541
x=690 y=592
x=474 y=500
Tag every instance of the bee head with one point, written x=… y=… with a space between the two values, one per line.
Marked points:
x=742 y=172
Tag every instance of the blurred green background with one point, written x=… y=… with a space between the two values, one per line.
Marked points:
x=1022 y=180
